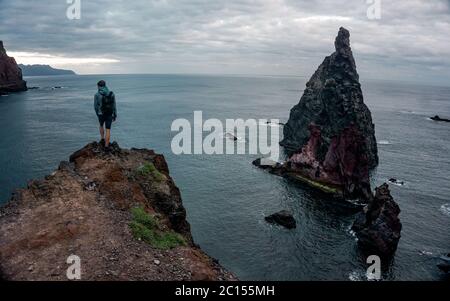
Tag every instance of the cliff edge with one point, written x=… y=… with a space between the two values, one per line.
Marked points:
x=10 y=74
x=119 y=212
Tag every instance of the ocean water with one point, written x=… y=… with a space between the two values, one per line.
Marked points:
x=225 y=196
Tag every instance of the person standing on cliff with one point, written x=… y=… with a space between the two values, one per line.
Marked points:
x=105 y=108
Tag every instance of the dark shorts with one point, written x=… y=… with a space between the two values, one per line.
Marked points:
x=106 y=120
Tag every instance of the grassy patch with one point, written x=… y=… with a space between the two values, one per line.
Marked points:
x=148 y=169
x=147 y=228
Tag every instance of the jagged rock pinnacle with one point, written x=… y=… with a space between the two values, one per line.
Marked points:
x=331 y=128
x=342 y=41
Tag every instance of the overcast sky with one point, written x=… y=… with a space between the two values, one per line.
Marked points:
x=411 y=41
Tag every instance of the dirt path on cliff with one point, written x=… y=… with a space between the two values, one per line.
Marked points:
x=84 y=209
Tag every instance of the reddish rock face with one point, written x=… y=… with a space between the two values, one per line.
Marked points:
x=345 y=162
x=10 y=74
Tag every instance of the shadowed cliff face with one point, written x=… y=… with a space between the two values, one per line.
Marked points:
x=378 y=227
x=10 y=74
x=333 y=102
x=119 y=211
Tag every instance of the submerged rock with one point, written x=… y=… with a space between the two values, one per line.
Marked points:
x=283 y=218
x=437 y=118
x=378 y=227
x=265 y=163
x=444 y=265
x=116 y=210
x=10 y=74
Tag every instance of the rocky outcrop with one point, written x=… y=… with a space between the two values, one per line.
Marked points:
x=283 y=218
x=378 y=227
x=330 y=133
x=118 y=211
x=330 y=137
x=10 y=74
x=437 y=118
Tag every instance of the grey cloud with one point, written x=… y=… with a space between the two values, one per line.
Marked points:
x=246 y=36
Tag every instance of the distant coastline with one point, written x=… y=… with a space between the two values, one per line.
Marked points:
x=43 y=70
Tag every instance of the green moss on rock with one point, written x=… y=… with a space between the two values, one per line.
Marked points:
x=147 y=228
x=149 y=169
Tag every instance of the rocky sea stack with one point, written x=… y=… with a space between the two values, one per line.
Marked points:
x=378 y=226
x=118 y=211
x=10 y=74
x=330 y=137
x=332 y=102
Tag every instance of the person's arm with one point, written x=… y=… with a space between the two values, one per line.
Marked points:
x=114 y=107
x=96 y=104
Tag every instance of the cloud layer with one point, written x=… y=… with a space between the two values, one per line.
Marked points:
x=289 y=37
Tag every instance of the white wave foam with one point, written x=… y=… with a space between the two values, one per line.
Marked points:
x=361 y=276
x=351 y=232
x=426 y=253
x=397 y=182
x=384 y=142
x=445 y=209
x=409 y=112
x=356 y=276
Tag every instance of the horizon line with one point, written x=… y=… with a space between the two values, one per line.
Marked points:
x=249 y=75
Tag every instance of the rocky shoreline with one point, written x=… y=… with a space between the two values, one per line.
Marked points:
x=119 y=212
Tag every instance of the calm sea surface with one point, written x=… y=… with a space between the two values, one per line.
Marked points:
x=225 y=196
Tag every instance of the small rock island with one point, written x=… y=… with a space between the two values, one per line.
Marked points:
x=119 y=212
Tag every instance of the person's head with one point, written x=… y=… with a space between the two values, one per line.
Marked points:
x=101 y=84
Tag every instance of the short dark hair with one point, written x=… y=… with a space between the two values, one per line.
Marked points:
x=101 y=83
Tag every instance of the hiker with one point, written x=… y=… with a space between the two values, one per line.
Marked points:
x=105 y=108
